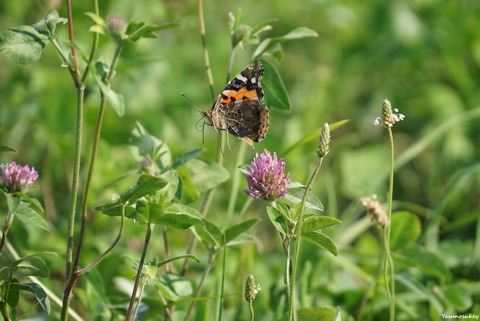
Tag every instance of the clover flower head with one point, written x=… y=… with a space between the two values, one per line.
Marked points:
x=16 y=178
x=267 y=178
x=389 y=116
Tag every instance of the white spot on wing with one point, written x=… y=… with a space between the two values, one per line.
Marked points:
x=242 y=78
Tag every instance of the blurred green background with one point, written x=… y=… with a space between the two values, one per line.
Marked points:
x=423 y=55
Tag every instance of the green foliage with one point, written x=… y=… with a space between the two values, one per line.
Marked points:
x=24 y=44
x=346 y=58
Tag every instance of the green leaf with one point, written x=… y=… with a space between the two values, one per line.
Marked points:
x=206 y=175
x=262 y=26
x=148 y=212
x=31 y=266
x=145 y=145
x=209 y=233
x=178 y=257
x=7 y=149
x=115 y=209
x=28 y=215
x=147 y=184
x=175 y=287
x=96 y=19
x=13 y=203
x=34 y=203
x=316 y=314
x=405 y=230
x=4 y=273
x=278 y=220
x=48 y=24
x=321 y=240
x=184 y=158
x=270 y=43
x=187 y=191
x=424 y=259
x=179 y=216
x=39 y=293
x=140 y=30
x=299 y=33
x=232 y=232
x=169 y=191
x=295 y=195
x=276 y=96
x=13 y=293
x=114 y=99
x=458 y=296
x=318 y=222
x=23 y=44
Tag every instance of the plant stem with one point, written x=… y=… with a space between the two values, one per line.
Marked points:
x=389 y=265
x=72 y=41
x=139 y=272
x=93 y=158
x=222 y=285
x=72 y=270
x=235 y=182
x=211 y=259
x=252 y=313
x=298 y=233
x=76 y=175
x=209 y=195
x=201 y=23
x=93 y=51
x=6 y=228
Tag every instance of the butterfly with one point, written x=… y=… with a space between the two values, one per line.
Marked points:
x=239 y=108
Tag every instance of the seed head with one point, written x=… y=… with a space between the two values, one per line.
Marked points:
x=324 y=141
x=251 y=289
x=375 y=210
x=389 y=116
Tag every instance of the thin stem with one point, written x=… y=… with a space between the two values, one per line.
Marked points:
x=6 y=228
x=201 y=23
x=211 y=259
x=209 y=195
x=72 y=41
x=76 y=175
x=252 y=313
x=222 y=285
x=140 y=295
x=139 y=272
x=93 y=158
x=93 y=51
x=72 y=265
x=390 y=282
x=109 y=249
x=235 y=182
x=298 y=233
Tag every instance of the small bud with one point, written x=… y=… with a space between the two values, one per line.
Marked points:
x=389 y=116
x=251 y=289
x=375 y=210
x=324 y=141
x=116 y=27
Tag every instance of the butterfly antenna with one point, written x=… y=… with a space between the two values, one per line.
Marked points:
x=194 y=103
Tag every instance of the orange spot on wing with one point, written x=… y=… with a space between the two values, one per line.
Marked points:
x=238 y=95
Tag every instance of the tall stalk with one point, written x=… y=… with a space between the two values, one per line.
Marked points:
x=389 y=266
x=298 y=233
x=139 y=272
